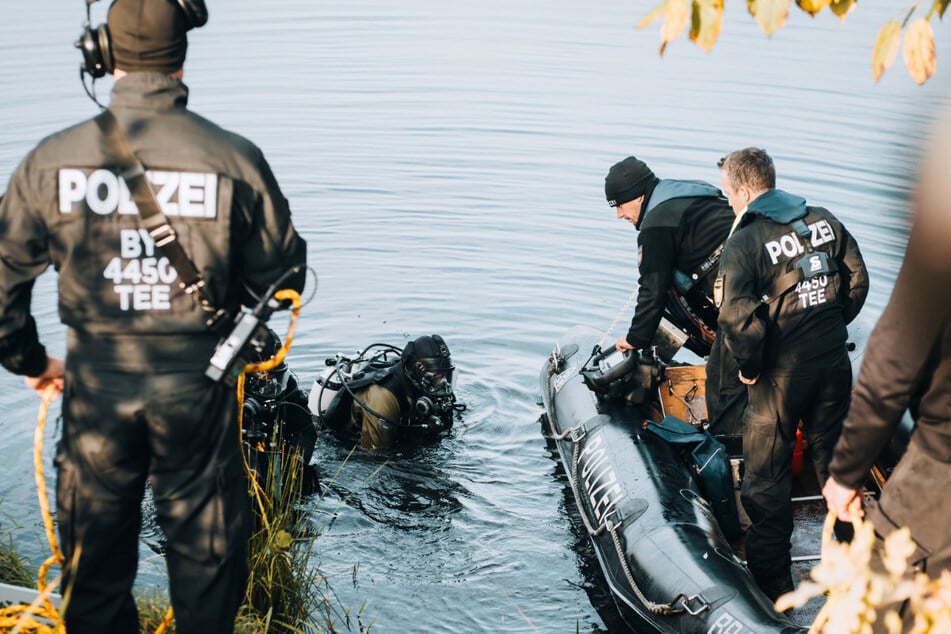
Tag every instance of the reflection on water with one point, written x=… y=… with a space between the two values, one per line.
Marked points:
x=445 y=161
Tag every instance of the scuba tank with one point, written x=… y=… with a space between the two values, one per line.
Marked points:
x=332 y=392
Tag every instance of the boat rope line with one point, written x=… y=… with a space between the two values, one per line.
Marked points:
x=621 y=313
x=41 y=616
x=681 y=603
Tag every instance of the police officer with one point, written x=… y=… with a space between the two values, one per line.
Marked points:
x=412 y=399
x=137 y=403
x=681 y=225
x=791 y=278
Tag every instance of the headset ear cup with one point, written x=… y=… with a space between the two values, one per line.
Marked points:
x=195 y=11
x=96 y=48
x=105 y=49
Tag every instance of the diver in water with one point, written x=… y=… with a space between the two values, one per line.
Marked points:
x=278 y=431
x=381 y=399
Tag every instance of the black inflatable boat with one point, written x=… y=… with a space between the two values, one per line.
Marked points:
x=658 y=528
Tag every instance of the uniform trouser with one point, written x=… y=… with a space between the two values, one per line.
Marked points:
x=916 y=496
x=818 y=393
x=725 y=394
x=179 y=430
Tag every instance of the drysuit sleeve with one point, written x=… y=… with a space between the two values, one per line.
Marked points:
x=24 y=255
x=741 y=322
x=656 y=247
x=271 y=245
x=853 y=266
x=898 y=363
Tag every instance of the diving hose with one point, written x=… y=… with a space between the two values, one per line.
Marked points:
x=41 y=616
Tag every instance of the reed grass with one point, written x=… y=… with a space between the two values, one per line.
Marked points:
x=286 y=591
x=14 y=569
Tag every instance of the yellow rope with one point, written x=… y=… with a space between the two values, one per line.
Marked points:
x=286 y=294
x=41 y=616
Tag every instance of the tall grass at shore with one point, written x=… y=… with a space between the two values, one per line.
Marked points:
x=14 y=569
x=286 y=593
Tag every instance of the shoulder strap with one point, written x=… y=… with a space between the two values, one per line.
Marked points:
x=153 y=219
x=684 y=281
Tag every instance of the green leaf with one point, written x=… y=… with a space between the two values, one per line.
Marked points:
x=919 y=52
x=770 y=14
x=812 y=7
x=706 y=22
x=842 y=8
x=886 y=48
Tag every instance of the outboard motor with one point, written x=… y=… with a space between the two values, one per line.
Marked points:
x=621 y=375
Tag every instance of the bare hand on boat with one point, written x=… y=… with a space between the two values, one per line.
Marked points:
x=845 y=502
x=52 y=375
x=622 y=344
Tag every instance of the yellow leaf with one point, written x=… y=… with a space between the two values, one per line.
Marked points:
x=284 y=539
x=813 y=7
x=678 y=13
x=706 y=22
x=770 y=14
x=919 y=52
x=886 y=48
x=940 y=6
x=651 y=17
x=842 y=8
x=898 y=548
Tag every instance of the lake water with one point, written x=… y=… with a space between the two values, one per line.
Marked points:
x=445 y=160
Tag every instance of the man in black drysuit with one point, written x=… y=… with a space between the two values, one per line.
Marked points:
x=137 y=403
x=791 y=278
x=682 y=225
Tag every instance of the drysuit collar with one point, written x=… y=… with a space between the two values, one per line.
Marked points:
x=778 y=206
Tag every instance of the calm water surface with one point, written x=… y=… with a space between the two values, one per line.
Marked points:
x=445 y=161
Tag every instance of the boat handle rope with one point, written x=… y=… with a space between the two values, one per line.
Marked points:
x=577 y=434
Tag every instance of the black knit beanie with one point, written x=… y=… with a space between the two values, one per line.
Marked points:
x=148 y=35
x=627 y=180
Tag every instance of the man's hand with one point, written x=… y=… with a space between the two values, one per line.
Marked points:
x=622 y=344
x=846 y=503
x=52 y=375
x=747 y=381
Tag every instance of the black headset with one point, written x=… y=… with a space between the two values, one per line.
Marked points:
x=96 y=47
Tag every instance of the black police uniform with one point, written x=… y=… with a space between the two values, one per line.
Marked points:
x=682 y=226
x=791 y=332
x=137 y=403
